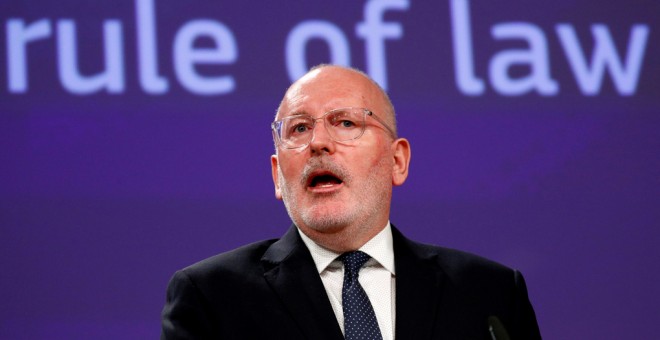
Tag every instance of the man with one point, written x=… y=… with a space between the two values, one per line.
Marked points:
x=342 y=269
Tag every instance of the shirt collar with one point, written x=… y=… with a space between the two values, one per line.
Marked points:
x=380 y=248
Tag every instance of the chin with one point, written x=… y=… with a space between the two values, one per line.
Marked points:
x=326 y=222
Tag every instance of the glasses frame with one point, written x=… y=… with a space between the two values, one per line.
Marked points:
x=276 y=126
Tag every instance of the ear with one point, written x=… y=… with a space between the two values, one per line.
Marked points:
x=401 y=152
x=273 y=164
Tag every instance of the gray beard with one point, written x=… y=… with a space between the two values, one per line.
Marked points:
x=369 y=199
x=326 y=221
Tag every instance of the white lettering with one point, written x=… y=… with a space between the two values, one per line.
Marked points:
x=150 y=80
x=466 y=80
x=303 y=32
x=374 y=31
x=605 y=55
x=112 y=78
x=536 y=57
x=18 y=37
x=186 y=56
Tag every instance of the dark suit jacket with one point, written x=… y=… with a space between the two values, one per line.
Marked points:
x=271 y=290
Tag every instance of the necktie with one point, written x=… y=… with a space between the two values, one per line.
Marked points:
x=359 y=319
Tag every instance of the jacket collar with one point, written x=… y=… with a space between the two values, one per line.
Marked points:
x=290 y=271
x=419 y=283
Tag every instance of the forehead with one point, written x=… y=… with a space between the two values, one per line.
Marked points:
x=326 y=89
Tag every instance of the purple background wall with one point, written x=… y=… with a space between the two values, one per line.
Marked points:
x=103 y=195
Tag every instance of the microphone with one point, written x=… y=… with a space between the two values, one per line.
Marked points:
x=496 y=329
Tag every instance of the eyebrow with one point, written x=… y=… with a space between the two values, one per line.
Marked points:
x=296 y=114
x=299 y=113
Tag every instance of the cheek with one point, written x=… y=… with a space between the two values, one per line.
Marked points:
x=291 y=168
x=373 y=161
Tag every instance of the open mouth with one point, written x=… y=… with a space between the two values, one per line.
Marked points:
x=323 y=180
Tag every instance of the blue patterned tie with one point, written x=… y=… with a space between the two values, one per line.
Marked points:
x=359 y=318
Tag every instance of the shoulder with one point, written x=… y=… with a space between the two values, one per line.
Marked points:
x=458 y=266
x=235 y=264
x=471 y=287
x=461 y=265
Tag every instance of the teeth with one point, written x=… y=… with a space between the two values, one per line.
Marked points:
x=324 y=181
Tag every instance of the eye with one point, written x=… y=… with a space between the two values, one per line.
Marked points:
x=346 y=123
x=343 y=119
x=300 y=128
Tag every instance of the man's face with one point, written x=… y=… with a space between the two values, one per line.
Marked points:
x=337 y=188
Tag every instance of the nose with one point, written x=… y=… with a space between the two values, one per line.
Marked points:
x=321 y=140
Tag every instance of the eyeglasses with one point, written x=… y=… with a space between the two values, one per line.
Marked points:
x=342 y=125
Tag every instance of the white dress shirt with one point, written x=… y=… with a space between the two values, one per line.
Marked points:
x=376 y=278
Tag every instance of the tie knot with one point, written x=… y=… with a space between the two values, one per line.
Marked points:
x=354 y=260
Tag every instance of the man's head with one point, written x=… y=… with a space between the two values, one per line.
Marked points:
x=339 y=192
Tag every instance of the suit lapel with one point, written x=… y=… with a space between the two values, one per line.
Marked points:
x=418 y=289
x=290 y=271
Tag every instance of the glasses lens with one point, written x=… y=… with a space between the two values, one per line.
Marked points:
x=296 y=131
x=341 y=124
x=345 y=124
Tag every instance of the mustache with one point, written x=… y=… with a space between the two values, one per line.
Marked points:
x=324 y=163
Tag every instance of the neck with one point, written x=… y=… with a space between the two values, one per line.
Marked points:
x=344 y=239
